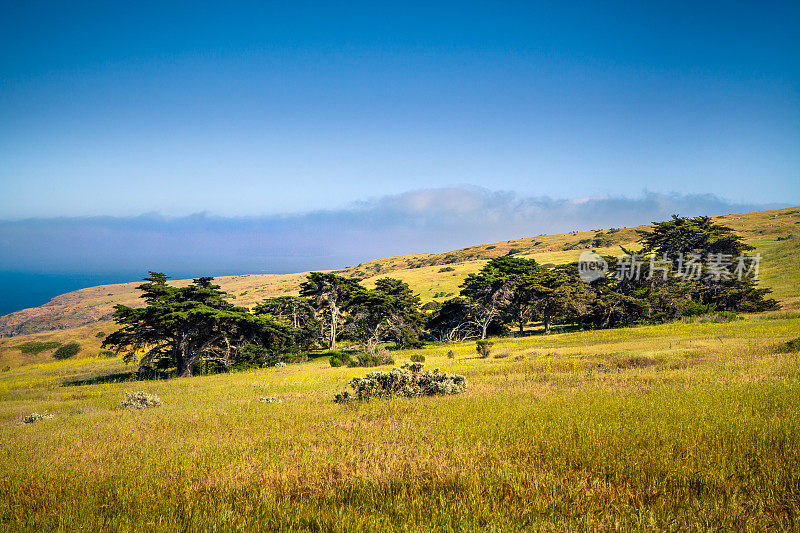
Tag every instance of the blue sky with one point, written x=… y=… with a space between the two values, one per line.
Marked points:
x=256 y=108
x=208 y=139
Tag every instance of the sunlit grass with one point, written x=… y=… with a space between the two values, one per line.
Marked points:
x=677 y=426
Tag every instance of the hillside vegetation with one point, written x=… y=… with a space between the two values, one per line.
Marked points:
x=775 y=234
x=691 y=425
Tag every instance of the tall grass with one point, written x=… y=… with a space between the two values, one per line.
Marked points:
x=680 y=426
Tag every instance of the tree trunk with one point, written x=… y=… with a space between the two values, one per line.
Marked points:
x=333 y=327
x=521 y=327
x=483 y=330
x=547 y=321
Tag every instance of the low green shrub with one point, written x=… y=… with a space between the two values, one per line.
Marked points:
x=340 y=359
x=106 y=354
x=407 y=381
x=140 y=400
x=789 y=346
x=100 y=334
x=379 y=358
x=266 y=399
x=35 y=347
x=67 y=351
x=35 y=417
x=450 y=354
x=417 y=358
x=484 y=348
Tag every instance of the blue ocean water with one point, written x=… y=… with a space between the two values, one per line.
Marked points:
x=19 y=290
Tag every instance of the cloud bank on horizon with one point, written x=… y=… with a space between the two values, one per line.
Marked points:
x=418 y=221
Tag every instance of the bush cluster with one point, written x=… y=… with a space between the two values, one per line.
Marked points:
x=35 y=417
x=67 y=351
x=407 y=381
x=36 y=347
x=140 y=400
x=789 y=346
x=484 y=348
x=417 y=358
x=379 y=358
x=266 y=399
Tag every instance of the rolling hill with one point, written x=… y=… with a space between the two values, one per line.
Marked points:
x=82 y=314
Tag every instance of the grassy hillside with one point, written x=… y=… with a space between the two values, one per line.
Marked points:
x=686 y=426
x=774 y=233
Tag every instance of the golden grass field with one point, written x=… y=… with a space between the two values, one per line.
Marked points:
x=674 y=427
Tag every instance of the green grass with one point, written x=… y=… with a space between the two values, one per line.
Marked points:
x=678 y=426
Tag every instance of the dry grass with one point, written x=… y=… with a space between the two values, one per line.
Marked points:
x=679 y=426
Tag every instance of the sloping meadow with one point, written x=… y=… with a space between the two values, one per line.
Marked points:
x=678 y=426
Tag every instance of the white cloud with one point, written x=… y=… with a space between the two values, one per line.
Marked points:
x=415 y=221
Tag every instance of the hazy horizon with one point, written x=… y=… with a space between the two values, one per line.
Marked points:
x=42 y=258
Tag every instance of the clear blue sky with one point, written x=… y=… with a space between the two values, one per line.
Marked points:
x=256 y=108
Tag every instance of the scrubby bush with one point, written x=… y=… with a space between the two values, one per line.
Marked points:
x=100 y=334
x=789 y=346
x=340 y=359
x=35 y=417
x=484 y=348
x=36 y=347
x=697 y=309
x=379 y=358
x=67 y=351
x=502 y=354
x=106 y=353
x=417 y=358
x=450 y=354
x=266 y=399
x=446 y=269
x=140 y=400
x=407 y=381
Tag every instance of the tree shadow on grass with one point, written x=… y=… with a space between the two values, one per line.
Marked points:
x=119 y=377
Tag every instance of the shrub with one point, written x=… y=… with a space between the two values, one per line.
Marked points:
x=270 y=400
x=100 y=334
x=446 y=269
x=140 y=400
x=789 y=346
x=502 y=353
x=379 y=358
x=450 y=354
x=36 y=347
x=484 y=348
x=340 y=359
x=417 y=358
x=106 y=353
x=407 y=381
x=35 y=417
x=67 y=351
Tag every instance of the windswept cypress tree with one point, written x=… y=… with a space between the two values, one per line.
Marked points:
x=180 y=327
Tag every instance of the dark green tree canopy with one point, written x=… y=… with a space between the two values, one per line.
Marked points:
x=699 y=235
x=328 y=294
x=390 y=312
x=180 y=327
